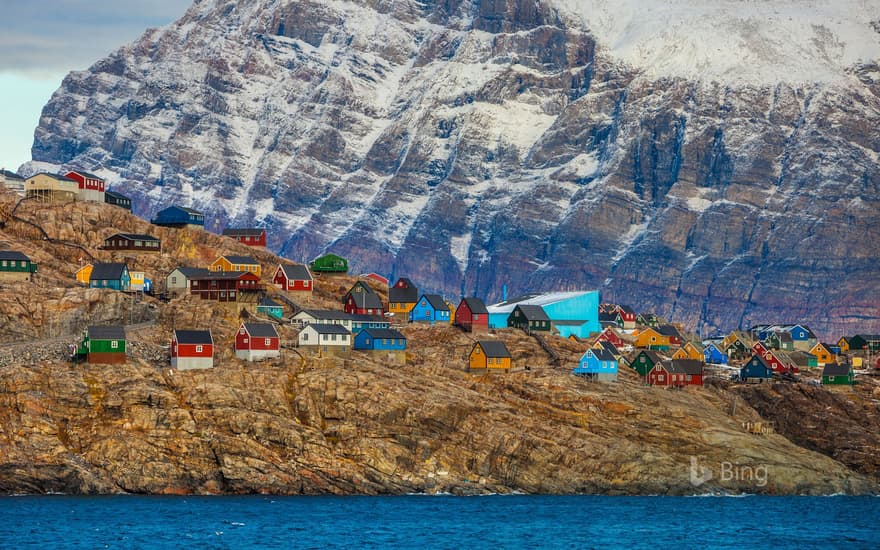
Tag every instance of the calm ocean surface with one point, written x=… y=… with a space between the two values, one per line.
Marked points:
x=439 y=522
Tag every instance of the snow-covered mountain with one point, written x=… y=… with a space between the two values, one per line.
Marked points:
x=713 y=160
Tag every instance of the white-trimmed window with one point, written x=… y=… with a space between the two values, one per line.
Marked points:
x=268 y=341
x=199 y=349
x=114 y=344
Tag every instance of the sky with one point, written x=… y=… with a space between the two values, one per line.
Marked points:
x=43 y=40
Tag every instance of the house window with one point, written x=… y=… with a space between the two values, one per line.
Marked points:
x=367 y=342
x=324 y=337
x=305 y=336
x=306 y=284
x=660 y=378
x=333 y=337
x=173 y=280
x=114 y=344
x=198 y=349
x=268 y=341
x=476 y=316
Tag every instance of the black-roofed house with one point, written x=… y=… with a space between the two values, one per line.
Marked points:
x=677 y=373
x=385 y=344
x=325 y=339
x=117 y=199
x=113 y=275
x=178 y=281
x=529 y=318
x=103 y=344
x=257 y=341
x=251 y=236
x=12 y=181
x=360 y=302
x=489 y=355
x=598 y=364
x=269 y=307
x=837 y=374
x=192 y=349
x=15 y=266
x=472 y=316
x=132 y=242
x=179 y=216
x=430 y=308
x=402 y=298
x=294 y=278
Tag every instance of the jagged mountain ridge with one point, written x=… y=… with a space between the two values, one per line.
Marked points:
x=475 y=144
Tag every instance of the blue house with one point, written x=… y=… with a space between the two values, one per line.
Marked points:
x=381 y=339
x=597 y=364
x=711 y=354
x=179 y=216
x=110 y=275
x=571 y=313
x=431 y=308
x=757 y=369
x=270 y=307
x=360 y=322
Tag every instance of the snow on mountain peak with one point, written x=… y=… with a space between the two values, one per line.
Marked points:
x=734 y=41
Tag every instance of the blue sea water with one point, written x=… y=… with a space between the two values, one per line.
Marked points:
x=439 y=522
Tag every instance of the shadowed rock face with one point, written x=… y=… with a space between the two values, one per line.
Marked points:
x=469 y=145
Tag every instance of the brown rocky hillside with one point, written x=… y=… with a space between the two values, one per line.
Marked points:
x=304 y=424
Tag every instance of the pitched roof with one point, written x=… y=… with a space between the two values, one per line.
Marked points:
x=409 y=295
x=602 y=354
x=115 y=195
x=533 y=313
x=407 y=283
x=328 y=329
x=475 y=305
x=240 y=260
x=609 y=347
x=106 y=333
x=326 y=314
x=437 y=302
x=493 y=348
x=835 y=369
x=243 y=231
x=652 y=355
x=86 y=174
x=383 y=333
x=134 y=237
x=186 y=209
x=543 y=299
x=221 y=275
x=269 y=302
x=12 y=175
x=296 y=272
x=261 y=330
x=761 y=359
x=107 y=271
x=193 y=337
x=364 y=318
x=366 y=300
x=626 y=309
x=684 y=366
x=192 y=272
x=13 y=255
x=608 y=318
x=55 y=176
x=668 y=330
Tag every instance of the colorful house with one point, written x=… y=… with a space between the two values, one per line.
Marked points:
x=179 y=216
x=257 y=341
x=332 y=340
x=110 y=275
x=650 y=338
x=84 y=273
x=363 y=300
x=865 y=341
x=48 y=187
x=803 y=359
x=843 y=344
x=236 y=263
x=179 y=280
x=225 y=286
x=529 y=318
x=249 y=236
x=329 y=263
x=132 y=242
x=387 y=344
x=688 y=351
x=777 y=360
x=677 y=373
x=597 y=364
x=360 y=322
x=323 y=317
x=192 y=349
x=628 y=316
x=836 y=374
x=430 y=308
x=117 y=199
x=645 y=361
x=402 y=297
x=489 y=355
x=103 y=344
x=571 y=313
x=649 y=320
x=293 y=278
x=713 y=355
x=377 y=278
x=15 y=266
x=270 y=308
x=472 y=316
x=756 y=369
x=736 y=345
x=140 y=282
x=672 y=334
x=611 y=335
x=91 y=187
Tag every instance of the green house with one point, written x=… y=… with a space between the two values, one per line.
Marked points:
x=834 y=374
x=329 y=263
x=270 y=307
x=529 y=318
x=645 y=361
x=15 y=266
x=102 y=344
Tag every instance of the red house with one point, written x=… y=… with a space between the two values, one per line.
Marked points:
x=677 y=373
x=363 y=300
x=192 y=349
x=627 y=316
x=775 y=359
x=293 y=278
x=249 y=236
x=224 y=286
x=472 y=316
x=675 y=337
x=376 y=277
x=256 y=341
x=91 y=187
x=610 y=336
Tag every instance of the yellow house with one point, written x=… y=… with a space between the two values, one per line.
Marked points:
x=651 y=339
x=688 y=351
x=236 y=263
x=46 y=187
x=843 y=343
x=823 y=354
x=84 y=273
x=489 y=354
x=451 y=312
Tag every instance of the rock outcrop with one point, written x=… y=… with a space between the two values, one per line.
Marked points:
x=471 y=145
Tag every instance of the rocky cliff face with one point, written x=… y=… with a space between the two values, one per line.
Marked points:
x=472 y=144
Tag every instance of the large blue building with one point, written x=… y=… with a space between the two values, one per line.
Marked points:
x=571 y=313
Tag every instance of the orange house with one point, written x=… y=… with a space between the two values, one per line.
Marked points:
x=823 y=355
x=688 y=351
x=489 y=354
x=236 y=263
x=651 y=339
x=403 y=297
x=843 y=343
x=84 y=274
